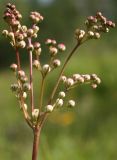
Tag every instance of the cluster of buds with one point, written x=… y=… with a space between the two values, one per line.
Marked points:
x=77 y=79
x=95 y=25
x=36 y=17
x=12 y=16
x=22 y=86
x=22 y=37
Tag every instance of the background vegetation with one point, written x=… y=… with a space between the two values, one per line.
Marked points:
x=89 y=131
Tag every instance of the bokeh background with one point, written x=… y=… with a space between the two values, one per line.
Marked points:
x=88 y=132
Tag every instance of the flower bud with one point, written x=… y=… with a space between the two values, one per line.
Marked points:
x=71 y=103
x=21 y=44
x=24 y=95
x=98 y=80
x=36 y=45
x=63 y=79
x=26 y=87
x=14 y=87
x=69 y=82
x=13 y=67
x=61 y=94
x=49 y=108
x=35 y=114
x=24 y=79
x=56 y=63
x=24 y=28
x=46 y=68
x=59 y=102
x=11 y=35
x=30 y=32
x=76 y=77
x=91 y=34
x=38 y=51
x=61 y=47
x=30 y=47
x=86 y=77
x=36 y=64
x=94 y=85
x=5 y=33
x=97 y=35
x=80 y=79
x=21 y=73
x=53 y=50
x=35 y=29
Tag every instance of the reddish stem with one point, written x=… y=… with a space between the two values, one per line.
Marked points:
x=18 y=59
x=36 y=143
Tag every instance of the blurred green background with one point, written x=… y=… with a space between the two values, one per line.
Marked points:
x=88 y=132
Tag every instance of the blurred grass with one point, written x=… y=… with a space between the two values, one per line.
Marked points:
x=86 y=133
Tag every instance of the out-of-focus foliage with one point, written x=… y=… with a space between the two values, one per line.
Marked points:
x=87 y=133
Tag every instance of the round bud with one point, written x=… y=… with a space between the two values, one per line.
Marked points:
x=30 y=47
x=48 y=41
x=76 y=77
x=36 y=64
x=97 y=35
x=30 y=32
x=14 y=87
x=21 y=44
x=24 y=79
x=24 y=28
x=49 y=108
x=38 y=51
x=24 y=95
x=91 y=34
x=13 y=67
x=56 y=63
x=63 y=79
x=69 y=82
x=11 y=35
x=36 y=45
x=35 y=113
x=26 y=87
x=94 y=85
x=86 y=77
x=61 y=94
x=5 y=33
x=80 y=79
x=61 y=47
x=21 y=73
x=35 y=29
x=59 y=102
x=53 y=50
x=46 y=68
x=98 y=80
x=71 y=103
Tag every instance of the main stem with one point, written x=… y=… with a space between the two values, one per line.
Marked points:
x=62 y=70
x=36 y=143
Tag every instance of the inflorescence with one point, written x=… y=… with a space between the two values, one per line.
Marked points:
x=20 y=36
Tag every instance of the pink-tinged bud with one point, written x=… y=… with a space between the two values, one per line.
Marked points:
x=26 y=87
x=36 y=64
x=53 y=50
x=94 y=86
x=61 y=47
x=30 y=47
x=48 y=41
x=56 y=63
x=36 y=45
x=30 y=32
x=46 y=68
x=13 y=67
x=21 y=73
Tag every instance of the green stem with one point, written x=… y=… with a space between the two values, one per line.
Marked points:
x=62 y=70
